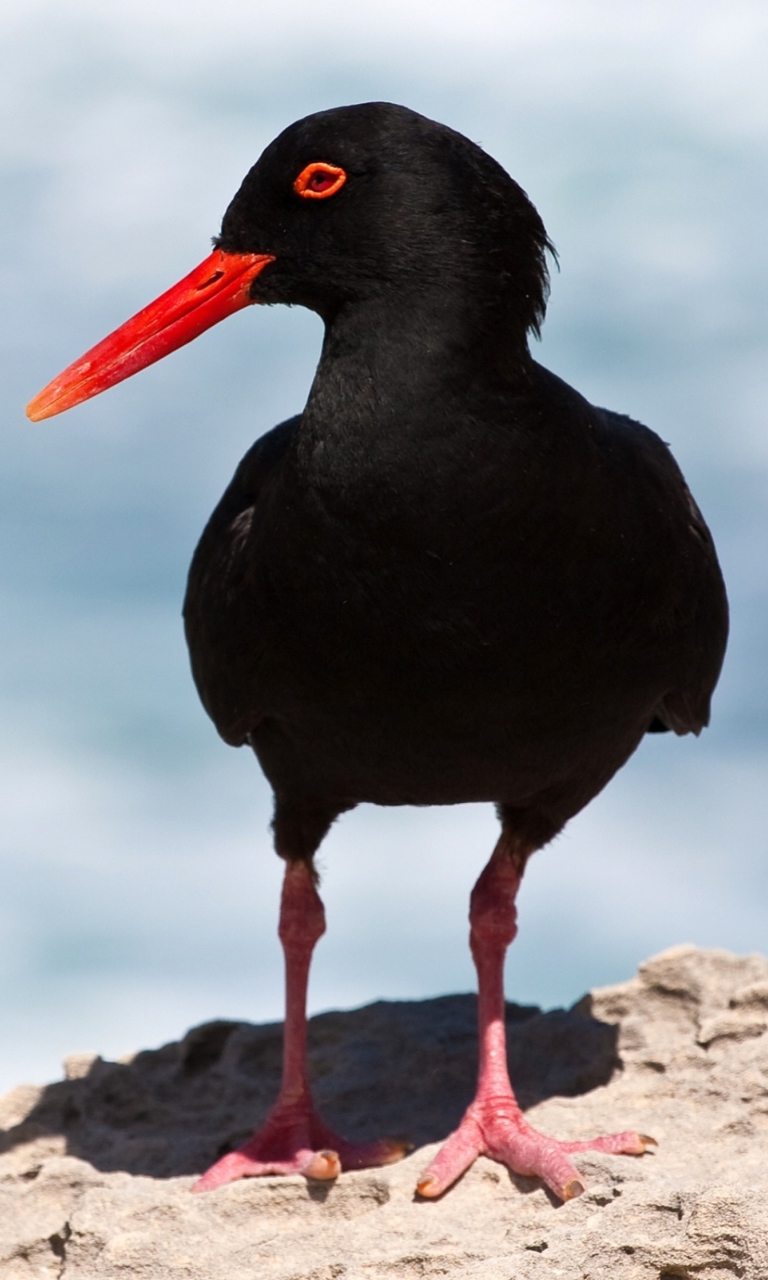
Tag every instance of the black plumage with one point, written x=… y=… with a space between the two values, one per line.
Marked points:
x=450 y=578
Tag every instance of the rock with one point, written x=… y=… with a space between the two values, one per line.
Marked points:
x=95 y=1170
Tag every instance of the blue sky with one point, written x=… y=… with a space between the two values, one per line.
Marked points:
x=138 y=890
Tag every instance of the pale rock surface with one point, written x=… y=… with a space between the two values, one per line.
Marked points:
x=95 y=1170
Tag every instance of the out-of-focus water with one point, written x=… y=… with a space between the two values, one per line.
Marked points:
x=138 y=890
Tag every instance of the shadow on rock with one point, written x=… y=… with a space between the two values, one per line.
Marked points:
x=394 y=1068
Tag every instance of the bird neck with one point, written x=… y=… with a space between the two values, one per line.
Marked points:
x=409 y=359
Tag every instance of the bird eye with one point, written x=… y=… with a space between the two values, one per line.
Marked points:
x=318 y=180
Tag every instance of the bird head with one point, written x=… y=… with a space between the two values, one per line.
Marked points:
x=347 y=207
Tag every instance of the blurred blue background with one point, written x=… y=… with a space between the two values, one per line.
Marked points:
x=138 y=890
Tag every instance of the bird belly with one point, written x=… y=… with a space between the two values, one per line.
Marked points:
x=508 y=733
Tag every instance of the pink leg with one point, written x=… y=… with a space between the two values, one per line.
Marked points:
x=493 y=1124
x=293 y=1138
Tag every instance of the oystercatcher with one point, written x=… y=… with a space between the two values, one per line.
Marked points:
x=449 y=578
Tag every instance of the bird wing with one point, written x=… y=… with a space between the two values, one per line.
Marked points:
x=695 y=610
x=223 y=606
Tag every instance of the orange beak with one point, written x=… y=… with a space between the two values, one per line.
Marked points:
x=218 y=287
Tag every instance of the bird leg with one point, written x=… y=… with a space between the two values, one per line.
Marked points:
x=493 y=1124
x=293 y=1138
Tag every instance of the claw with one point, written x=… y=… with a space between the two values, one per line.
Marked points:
x=323 y=1166
x=396 y=1149
x=647 y=1142
x=428 y=1186
x=573 y=1189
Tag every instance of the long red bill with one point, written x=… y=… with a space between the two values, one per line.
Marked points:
x=219 y=286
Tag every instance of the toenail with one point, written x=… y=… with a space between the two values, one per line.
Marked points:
x=573 y=1189
x=324 y=1166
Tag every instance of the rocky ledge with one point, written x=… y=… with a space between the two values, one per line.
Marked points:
x=95 y=1170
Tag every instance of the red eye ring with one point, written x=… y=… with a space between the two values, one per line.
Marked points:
x=319 y=180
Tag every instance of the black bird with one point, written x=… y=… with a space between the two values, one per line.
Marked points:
x=449 y=579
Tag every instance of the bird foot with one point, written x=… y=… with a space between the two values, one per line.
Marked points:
x=293 y=1139
x=494 y=1126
